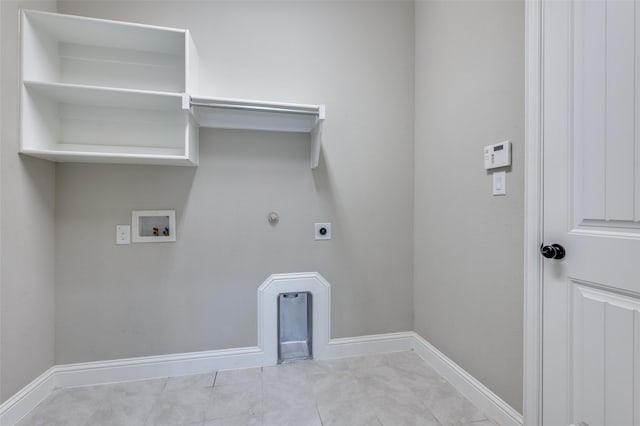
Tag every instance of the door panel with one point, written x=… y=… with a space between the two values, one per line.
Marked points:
x=591 y=152
x=620 y=40
x=590 y=113
x=604 y=355
x=604 y=103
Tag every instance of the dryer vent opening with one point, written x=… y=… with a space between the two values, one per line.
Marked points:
x=294 y=326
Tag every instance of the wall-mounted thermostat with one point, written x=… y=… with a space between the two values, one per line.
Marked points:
x=498 y=155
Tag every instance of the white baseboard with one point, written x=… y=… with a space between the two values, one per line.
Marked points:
x=481 y=396
x=367 y=345
x=123 y=370
x=25 y=400
x=150 y=367
x=93 y=373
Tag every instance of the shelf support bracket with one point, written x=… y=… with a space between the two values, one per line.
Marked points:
x=316 y=137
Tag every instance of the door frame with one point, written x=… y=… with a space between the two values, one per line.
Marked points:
x=533 y=218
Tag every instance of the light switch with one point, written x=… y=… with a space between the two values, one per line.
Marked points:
x=500 y=183
x=123 y=234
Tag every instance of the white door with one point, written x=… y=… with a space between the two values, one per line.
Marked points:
x=591 y=157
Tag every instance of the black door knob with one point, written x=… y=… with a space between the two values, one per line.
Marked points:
x=553 y=251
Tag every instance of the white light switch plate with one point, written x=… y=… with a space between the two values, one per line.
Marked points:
x=500 y=183
x=123 y=234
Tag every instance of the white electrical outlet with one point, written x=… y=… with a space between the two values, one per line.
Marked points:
x=123 y=234
x=322 y=231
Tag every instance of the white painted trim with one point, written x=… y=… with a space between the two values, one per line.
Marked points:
x=368 y=345
x=122 y=370
x=94 y=373
x=268 y=293
x=20 y=404
x=532 y=403
x=490 y=403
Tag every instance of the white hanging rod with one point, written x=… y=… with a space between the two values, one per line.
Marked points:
x=284 y=110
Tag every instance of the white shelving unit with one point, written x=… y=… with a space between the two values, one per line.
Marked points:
x=103 y=91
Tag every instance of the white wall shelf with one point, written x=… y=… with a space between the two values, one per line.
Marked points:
x=225 y=113
x=103 y=91
x=106 y=92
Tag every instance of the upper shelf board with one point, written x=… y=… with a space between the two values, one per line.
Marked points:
x=107 y=33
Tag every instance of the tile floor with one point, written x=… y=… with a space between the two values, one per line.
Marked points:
x=386 y=389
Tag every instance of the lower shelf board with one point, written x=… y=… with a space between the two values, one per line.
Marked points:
x=64 y=156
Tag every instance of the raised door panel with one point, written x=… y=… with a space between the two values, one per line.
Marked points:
x=606 y=152
x=606 y=357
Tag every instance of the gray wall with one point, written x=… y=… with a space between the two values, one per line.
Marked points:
x=468 y=262
x=26 y=232
x=200 y=293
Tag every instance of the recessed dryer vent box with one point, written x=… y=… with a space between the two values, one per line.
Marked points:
x=153 y=226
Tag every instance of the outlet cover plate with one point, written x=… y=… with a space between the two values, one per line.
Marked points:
x=319 y=234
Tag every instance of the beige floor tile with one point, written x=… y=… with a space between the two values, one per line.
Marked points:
x=403 y=357
x=327 y=366
x=122 y=412
x=290 y=373
x=191 y=381
x=296 y=415
x=419 y=377
x=235 y=400
x=63 y=408
x=278 y=396
x=243 y=375
x=397 y=411
x=382 y=381
x=366 y=362
x=478 y=423
x=235 y=421
x=170 y=412
x=151 y=387
x=348 y=413
x=335 y=387
x=454 y=410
